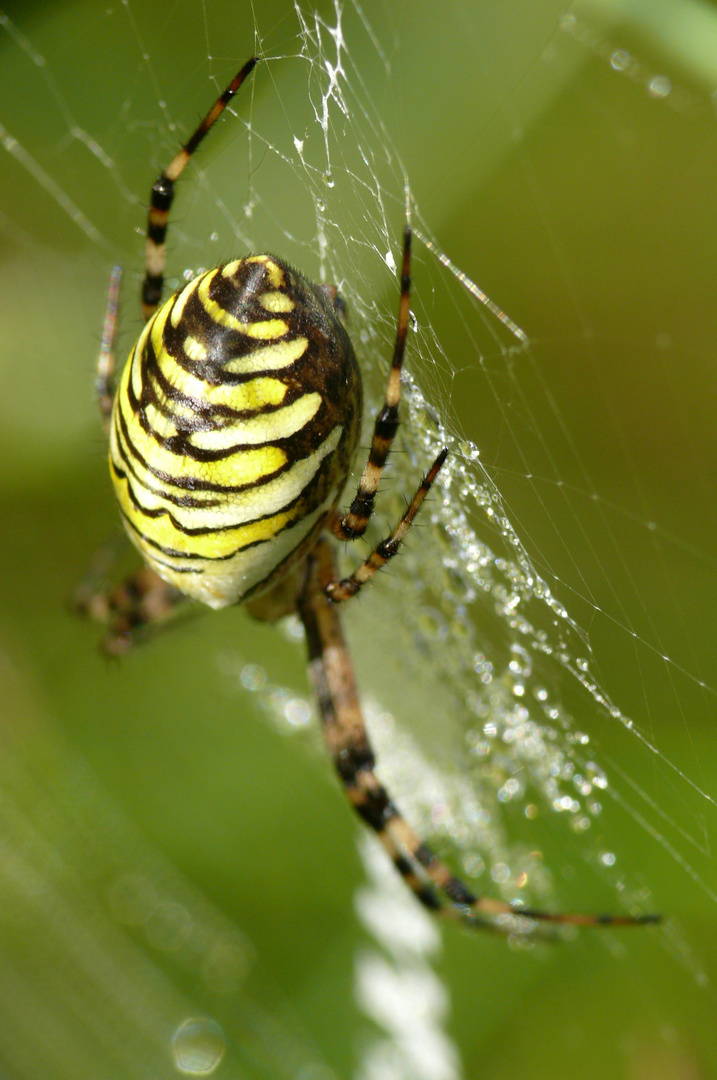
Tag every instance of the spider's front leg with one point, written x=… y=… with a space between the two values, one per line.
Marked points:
x=389 y=546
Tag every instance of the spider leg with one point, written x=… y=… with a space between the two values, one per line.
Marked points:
x=162 y=197
x=143 y=600
x=105 y=378
x=140 y=603
x=354 y=523
x=388 y=547
x=331 y=672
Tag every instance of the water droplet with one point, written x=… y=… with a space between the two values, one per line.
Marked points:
x=297 y=712
x=473 y=865
x=253 y=676
x=198 y=1046
x=509 y=790
x=659 y=87
x=596 y=775
x=500 y=873
x=469 y=450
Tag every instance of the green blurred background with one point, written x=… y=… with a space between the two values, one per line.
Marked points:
x=564 y=156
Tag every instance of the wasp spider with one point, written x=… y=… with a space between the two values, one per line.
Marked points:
x=232 y=431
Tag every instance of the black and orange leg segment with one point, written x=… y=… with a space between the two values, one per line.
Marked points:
x=139 y=604
x=331 y=672
x=355 y=522
x=162 y=197
x=390 y=545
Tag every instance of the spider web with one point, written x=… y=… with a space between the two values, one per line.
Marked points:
x=538 y=669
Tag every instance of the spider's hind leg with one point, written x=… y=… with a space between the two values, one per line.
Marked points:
x=345 y=733
x=131 y=609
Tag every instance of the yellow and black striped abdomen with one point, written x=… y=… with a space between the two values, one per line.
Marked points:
x=233 y=428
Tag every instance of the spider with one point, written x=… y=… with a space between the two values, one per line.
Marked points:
x=232 y=432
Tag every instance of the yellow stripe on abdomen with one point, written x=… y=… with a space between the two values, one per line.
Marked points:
x=221 y=532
